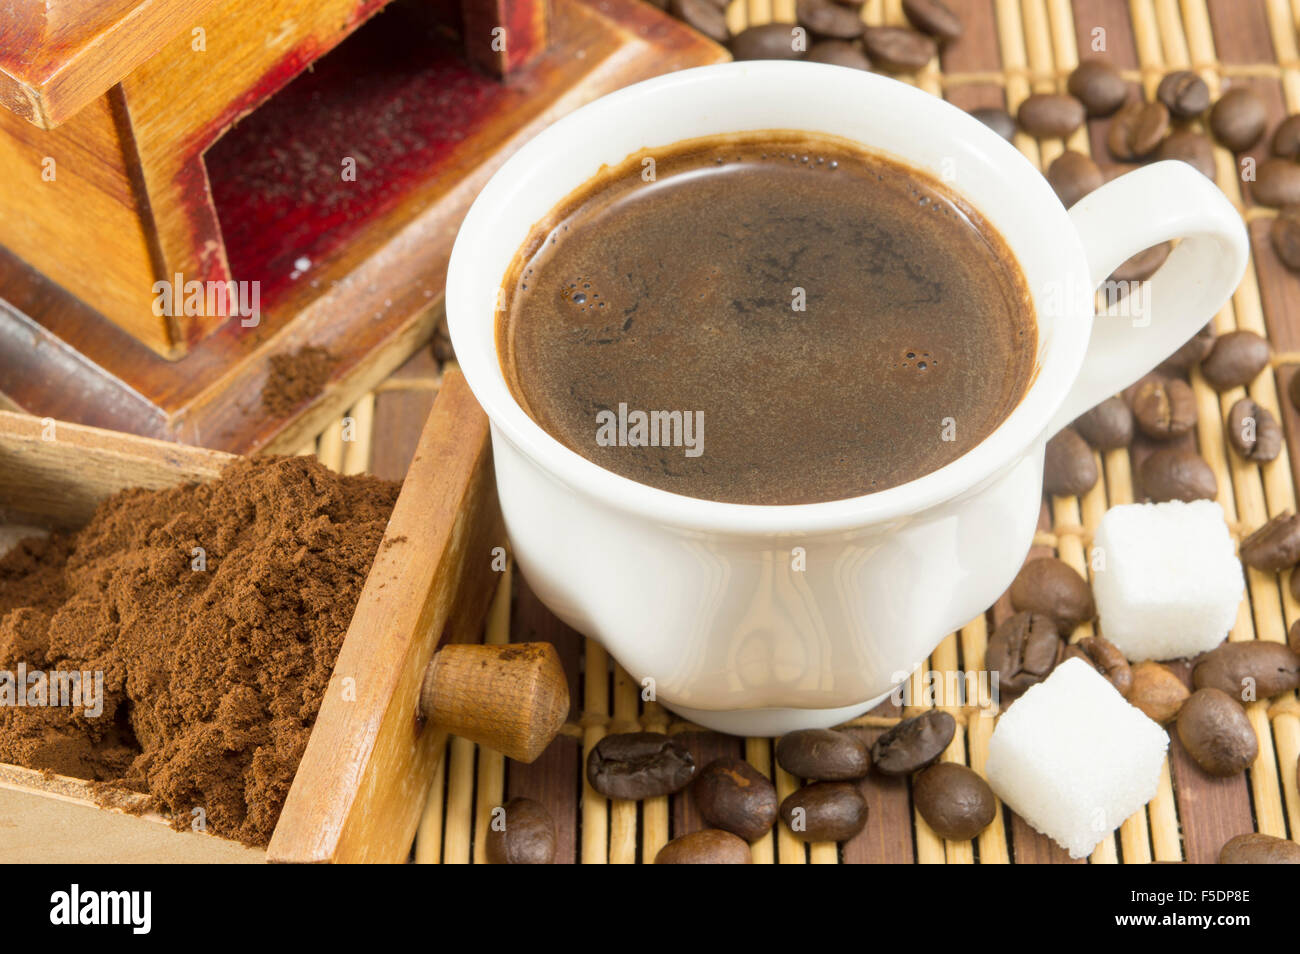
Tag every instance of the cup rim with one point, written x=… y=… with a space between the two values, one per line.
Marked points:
x=1051 y=381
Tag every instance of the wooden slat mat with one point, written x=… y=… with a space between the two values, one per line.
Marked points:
x=1011 y=48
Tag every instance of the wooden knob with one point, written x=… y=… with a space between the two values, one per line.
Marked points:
x=512 y=698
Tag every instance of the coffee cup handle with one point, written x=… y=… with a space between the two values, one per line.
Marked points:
x=1163 y=201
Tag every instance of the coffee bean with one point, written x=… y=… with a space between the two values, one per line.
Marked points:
x=1277 y=183
x=1285 y=236
x=733 y=795
x=1053 y=588
x=1293 y=634
x=1157 y=691
x=898 y=49
x=1143 y=265
x=635 y=765
x=829 y=20
x=1214 y=729
x=914 y=743
x=1251 y=670
x=1238 y=119
x=1293 y=390
x=1184 y=94
x=1108 y=426
x=1068 y=467
x=839 y=53
x=703 y=15
x=1192 y=352
x=1098 y=86
x=823 y=754
x=1136 y=130
x=1050 y=115
x=1254 y=432
x=1174 y=473
x=999 y=120
x=1073 y=175
x=1235 y=360
x=1286 y=139
x=707 y=847
x=1105 y=657
x=954 y=801
x=1257 y=849
x=525 y=835
x=1164 y=408
x=771 y=41
x=825 y=811
x=934 y=18
x=1023 y=651
x=1274 y=546
x=1189 y=147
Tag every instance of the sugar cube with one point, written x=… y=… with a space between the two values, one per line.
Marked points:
x=1074 y=759
x=1165 y=577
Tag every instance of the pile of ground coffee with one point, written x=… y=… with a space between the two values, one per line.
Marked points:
x=295 y=378
x=215 y=613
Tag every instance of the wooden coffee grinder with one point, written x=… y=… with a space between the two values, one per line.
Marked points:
x=190 y=189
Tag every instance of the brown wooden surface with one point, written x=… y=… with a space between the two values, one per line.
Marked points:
x=59 y=55
x=370 y=304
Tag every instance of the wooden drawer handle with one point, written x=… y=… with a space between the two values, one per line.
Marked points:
x=512 y=698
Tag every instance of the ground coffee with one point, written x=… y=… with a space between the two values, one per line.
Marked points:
x=215 y=613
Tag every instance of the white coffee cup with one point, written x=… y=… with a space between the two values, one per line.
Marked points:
x=705 y=602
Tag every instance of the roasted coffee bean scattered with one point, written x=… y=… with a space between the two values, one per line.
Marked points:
x=1137 y=130
x=1050 y=115
x=1258 y=849
x=1069 y=469
x=934 y=18
x=707 y=847
x=999 y=120
x=1140 y=267
x=1164 y=408
x=1235 y=360
x=1192 y=352
x=636 y=765
x=1293 y=634
x=830 y=20
x=1250 y=670
x=1175 y=473
x=954 y=800
x=1184 y=94
x=771 y=41
x=825 y=811
x=1157 y=691
x=1286 y=138
x=823 y=754
x=1108 y=426
x=1284 y=233
x=1214 y=729
x=1023 y=651
x=1274 y=546
x=523 y=835
x=1277 y=183
x=1238 y=119
x=1254 y=432
x=703 y=15
x=914 y=743
x=1105 y=657
x=1073 y=175
x=1190 y=147
x=1054 y=588
x=1098 y=86
x=733 y=795
x=838 y=53
x=898 y=49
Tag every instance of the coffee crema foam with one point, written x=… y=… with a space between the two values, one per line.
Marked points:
x=839 y=323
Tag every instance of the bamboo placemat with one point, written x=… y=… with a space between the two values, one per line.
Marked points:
x=1011 y=48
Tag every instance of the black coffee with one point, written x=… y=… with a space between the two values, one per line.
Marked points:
x=766 y=319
